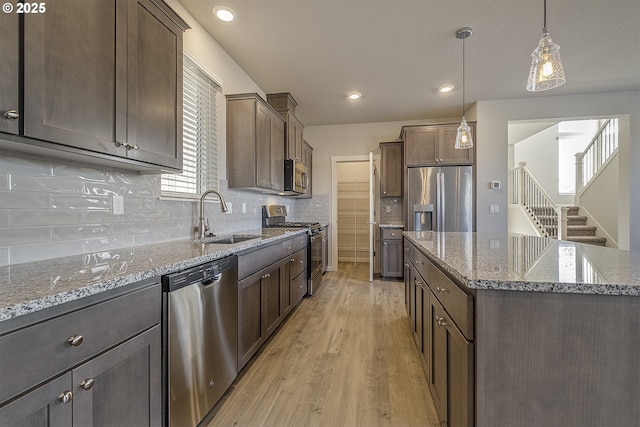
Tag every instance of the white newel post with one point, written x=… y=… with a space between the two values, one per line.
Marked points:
x=579 y=164
x=521 y=181
x=562 y=222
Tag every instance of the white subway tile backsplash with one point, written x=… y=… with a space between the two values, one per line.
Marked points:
x=4 y=218
x=28 y=253
x=23 y=236
x=45 y=184
x=52 y=209
x=39 y=217
x=24 y=200
x=25 y=165
x=82 y=232
x=5 y=179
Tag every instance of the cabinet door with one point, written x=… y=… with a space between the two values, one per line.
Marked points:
x=391 y=170
x=277 y=154
x=294 y=138
x=287 y=283
x=9 y=71
x=408 y=282
x=154 y=86
x=272 y=307
x=421 y=146
x=438 y=377
x=460 y=374
x=424 y=335
x=250 y=331
x=121 y=387
x=74 y=68
x=447 y=153
x=392 y=258
x=41 y=407
x=263 y=146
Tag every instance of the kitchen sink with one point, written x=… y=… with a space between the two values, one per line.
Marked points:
x=231 y=239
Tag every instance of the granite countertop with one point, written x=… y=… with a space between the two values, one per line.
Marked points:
x=527 y=263
x=30 y=287
x=391 y=226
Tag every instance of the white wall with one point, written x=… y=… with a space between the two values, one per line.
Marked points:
x=540 y=152
x=492 y=150
x=598 y=197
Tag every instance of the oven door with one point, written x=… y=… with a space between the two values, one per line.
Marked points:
x=315 y=262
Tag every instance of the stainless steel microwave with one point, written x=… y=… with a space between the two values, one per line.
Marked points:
x=296 y=177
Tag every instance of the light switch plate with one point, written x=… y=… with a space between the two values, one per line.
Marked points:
x=494 y=209
x=244 y=208
x=118 y=205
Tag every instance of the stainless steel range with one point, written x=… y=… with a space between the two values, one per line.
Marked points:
x=274 y=216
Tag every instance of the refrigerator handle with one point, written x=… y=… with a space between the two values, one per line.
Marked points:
x=442 y=197
x=438 y=201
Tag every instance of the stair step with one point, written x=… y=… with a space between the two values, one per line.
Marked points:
x=576 y=220
x=581 y=230
x=573 y=210
x=592 y=240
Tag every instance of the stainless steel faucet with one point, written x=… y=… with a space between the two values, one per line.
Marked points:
x=204 y=222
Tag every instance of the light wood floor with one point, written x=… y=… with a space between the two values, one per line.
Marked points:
x=345 y=357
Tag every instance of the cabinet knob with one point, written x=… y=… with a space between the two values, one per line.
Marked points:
x=439 y=289
x=132 y=147
x=385 y=243
x=293 y=260
x=65 y=397
x=440 y=321
x=419 y=262
x=266 y=275
x=87 y=384
x=11 y=115
x=75 y=340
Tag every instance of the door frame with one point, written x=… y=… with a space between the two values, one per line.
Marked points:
x=333 y=238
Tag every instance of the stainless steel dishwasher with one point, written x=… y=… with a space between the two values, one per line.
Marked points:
x=201 y=338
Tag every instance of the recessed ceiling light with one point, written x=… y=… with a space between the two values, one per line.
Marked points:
x=224 y=13
x=354 y=96
x=446 y=89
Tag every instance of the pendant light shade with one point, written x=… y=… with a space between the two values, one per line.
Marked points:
x=546 y=67
x=464 y=140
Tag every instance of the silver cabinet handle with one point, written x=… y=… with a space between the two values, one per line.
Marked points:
x=420 y=262
x=385 y=243
x=87 y=384
x=65 y=397
x=440 y=321
x=439 y=289
x=11 y=115
x=266 y=275
x=127 y=145
x=75 y=340
x=293 y=260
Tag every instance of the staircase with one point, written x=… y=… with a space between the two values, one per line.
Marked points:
x=579 y=231
x=577 y=228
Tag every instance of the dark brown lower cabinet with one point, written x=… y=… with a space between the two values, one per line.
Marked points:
x=119 y=387
x=452 y=374
x=259 y=309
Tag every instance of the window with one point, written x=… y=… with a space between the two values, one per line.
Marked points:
x=200 y=136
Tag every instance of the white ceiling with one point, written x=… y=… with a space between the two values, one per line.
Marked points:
x=399 y=52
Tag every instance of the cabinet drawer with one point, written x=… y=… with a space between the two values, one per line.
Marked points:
x=251 y=262
x=287 y=247
x=299 y=287
x=408 y=251
x=298 y=262
x=391 y=233
x=39 y=352
x=455 y=301
x=300 y=242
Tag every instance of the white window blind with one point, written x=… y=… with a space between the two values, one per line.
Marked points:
x=200 y=136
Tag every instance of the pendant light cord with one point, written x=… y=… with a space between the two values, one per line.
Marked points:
x=545 y=16
x=463 y=40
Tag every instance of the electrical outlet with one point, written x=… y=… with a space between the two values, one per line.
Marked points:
x=244 y=208
x=494 y=209
x=118 y=205
x=388 y=208
x=229 y=207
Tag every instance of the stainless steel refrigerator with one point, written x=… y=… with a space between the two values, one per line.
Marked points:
x=440 y=198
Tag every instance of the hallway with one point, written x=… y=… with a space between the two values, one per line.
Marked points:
x=345 y=357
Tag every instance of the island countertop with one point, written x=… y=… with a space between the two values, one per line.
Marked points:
x=513 y=262
x=31 y=287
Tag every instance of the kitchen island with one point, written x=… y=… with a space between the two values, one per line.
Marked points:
x=555 y=337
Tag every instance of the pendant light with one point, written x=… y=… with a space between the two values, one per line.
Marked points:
x=463 y=136
x=546 y=67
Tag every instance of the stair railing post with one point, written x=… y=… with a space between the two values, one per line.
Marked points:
x=579 y=178
x=563 y=221
x=522 y=190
